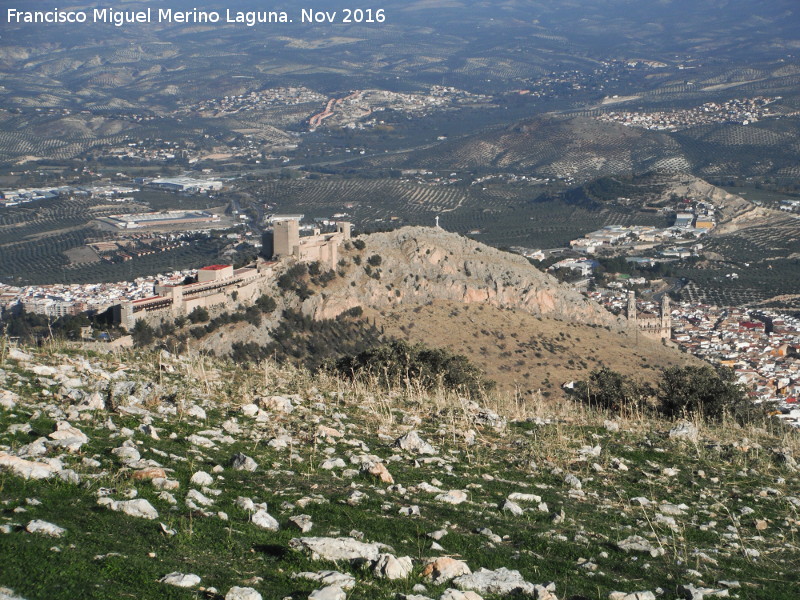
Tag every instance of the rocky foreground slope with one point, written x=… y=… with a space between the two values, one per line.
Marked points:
x=156 y=476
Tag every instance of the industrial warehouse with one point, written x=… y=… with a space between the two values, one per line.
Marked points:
x=161 y=219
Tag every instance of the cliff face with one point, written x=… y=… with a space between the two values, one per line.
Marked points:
x=419 y=265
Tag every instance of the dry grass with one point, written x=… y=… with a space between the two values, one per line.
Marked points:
x=528 y=356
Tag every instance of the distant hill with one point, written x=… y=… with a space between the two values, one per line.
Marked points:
x=583 y=148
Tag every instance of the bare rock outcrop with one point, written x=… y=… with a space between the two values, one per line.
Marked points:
x=423 y=264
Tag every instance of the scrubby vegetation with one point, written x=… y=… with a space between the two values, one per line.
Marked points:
x=400 y=364
x=690 y=392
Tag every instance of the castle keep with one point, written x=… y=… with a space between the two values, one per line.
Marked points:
x=322 y=247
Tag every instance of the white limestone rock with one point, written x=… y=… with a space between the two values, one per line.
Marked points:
x=242 y=462
x=263 y=519
x=389 y=566
x=242 y=593
x=684 y=430
x=412 y=442
x=197 y=412
x=45 y=528
x=453 y=594
x=501 y=581
x=326 y=578
x=201 y=478
x=139 y=508
x=452 y=497
x=8 y=594
x=277 y=404
x=331 y=592
x=342 y=548
x=27 y=469
x=180 y=579
x=302 y=522
x=636 y=543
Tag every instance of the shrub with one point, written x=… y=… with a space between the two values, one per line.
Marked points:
x=609 y=390
x=359 y=244
x=143 y=333
x=292 y=277
x=375 y=260
x=266 y=303
x=198 y=315
x=401 y=363
x=701 y=391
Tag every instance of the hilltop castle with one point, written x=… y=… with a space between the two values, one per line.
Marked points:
x=220 y=285
x=656 y=326
x=285 y=241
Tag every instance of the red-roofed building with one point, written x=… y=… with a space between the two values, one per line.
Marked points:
x=214 y=273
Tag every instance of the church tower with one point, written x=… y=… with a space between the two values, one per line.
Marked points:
x=666 y=317
x=631 y=310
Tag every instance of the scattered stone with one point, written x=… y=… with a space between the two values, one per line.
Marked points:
x=328 y=432
x=242 y=593
x=277 y=404
x=501 y=581
x=180 y=579
x=355 y=497
x=647 y=595
x=68 y=437
x=326 y=578
x=161 y=483
x=520 y=497
x=241 y=462
x=380 y=471
x=325 y=548
x=202 y=478
x=45 y=528
x=263 y=519
x=389 y=566
x=8 y=594
x=302 y=522
x=150 y=473
x=412 y=442
x=331 y=592
x=25 y=468
x=444 y=569
x=452 y=497
x=333 y=463
x=249 y=410
x=135 y=508
x=636 y=543
x=198 y=412
x=684 y=430
x=197 y=497
x=200 y=440
x=512 y=507
x=409 y=511
x=452 y=594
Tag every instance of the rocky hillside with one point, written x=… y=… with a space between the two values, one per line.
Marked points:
x=416 y=265
x=157 y=476
x=523 y=327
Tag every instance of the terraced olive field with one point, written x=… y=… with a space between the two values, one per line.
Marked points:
x=497 y=214
x=759 y=263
